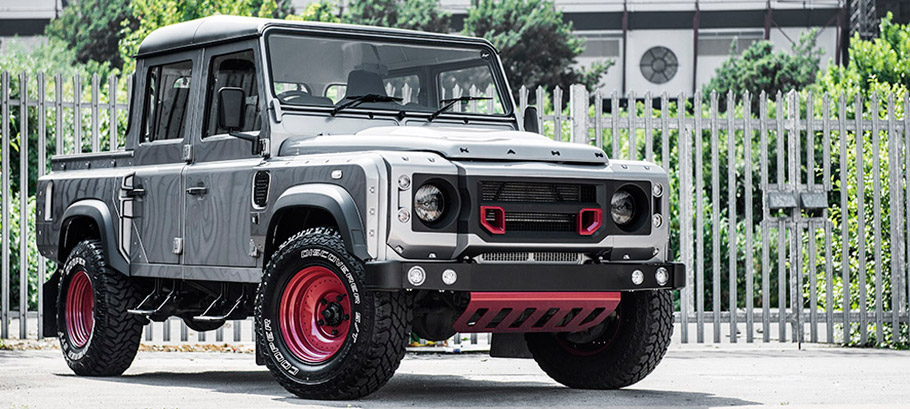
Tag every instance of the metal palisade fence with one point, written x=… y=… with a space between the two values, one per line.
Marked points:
x=789 y=211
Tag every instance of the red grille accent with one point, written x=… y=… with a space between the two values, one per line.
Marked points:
x=589 y=220
x=536 y=311
x=493 y=218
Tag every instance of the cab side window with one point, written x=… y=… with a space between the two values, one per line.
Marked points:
x=236 y=70
x=166 y=97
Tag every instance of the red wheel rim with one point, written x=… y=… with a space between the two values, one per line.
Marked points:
x=314 y=314
x=80 y=303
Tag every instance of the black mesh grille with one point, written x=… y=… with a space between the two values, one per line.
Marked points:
x=537 y=192
x=526 y=221
x=261 y=188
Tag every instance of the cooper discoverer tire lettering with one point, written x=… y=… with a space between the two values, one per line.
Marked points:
x=618 y=353
x=97 y=335
x=323 y=335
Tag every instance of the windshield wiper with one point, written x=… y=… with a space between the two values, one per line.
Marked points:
x=452 y=101
x=360 y=99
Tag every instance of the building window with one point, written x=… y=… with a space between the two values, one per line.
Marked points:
x=659 y=65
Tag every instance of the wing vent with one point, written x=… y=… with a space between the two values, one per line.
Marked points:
x=261 y=189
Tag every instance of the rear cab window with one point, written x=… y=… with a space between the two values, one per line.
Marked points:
x=166 y=98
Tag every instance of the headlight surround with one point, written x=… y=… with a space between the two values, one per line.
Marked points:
x=429 y=203
x=622 y=208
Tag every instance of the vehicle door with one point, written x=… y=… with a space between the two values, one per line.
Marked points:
x=219 y=181
x=157 y=186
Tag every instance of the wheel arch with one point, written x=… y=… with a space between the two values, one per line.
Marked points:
x=316 y=205
x=90 y=219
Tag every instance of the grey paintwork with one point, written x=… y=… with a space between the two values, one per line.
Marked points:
x=183 y=208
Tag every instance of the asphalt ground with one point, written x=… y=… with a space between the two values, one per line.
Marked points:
x=689 y=376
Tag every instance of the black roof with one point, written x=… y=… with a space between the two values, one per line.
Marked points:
x=215 y=29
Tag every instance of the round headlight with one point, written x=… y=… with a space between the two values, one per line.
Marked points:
x=429 y=203
x=622 y=207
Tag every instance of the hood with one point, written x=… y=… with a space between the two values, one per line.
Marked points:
x=451 y=142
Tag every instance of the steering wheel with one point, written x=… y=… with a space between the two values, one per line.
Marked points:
x=294 y=93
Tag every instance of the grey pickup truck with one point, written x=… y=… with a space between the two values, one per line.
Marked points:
x=346 y=186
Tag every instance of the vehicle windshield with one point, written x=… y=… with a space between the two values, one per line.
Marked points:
x=403 y=77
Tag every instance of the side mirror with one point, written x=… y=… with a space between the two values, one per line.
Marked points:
x=530 y=120
x=230 y=108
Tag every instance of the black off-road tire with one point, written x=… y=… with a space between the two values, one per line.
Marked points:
x=114 y=338
x=371 y=351
x=621 y=356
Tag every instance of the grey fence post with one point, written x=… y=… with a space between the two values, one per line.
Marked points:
x=578 y=110
x=23 y=205
x=5 y=286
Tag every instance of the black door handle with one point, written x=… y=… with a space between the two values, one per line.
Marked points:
x=137 y=192
x=197 y=190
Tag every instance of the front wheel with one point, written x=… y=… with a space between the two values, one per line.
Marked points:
x=617 y=353
x=324 y=335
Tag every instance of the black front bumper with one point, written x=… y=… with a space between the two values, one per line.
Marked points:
x=393 y=275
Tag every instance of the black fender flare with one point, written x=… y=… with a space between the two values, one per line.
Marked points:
x=336 y=201
x=99 y=212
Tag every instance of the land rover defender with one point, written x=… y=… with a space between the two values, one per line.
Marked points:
x=346 y=186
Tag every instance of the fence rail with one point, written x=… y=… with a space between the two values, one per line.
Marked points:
x=788 y=210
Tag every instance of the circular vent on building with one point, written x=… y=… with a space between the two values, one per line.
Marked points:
x=659 y=65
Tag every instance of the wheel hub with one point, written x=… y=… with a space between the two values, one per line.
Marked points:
x=333 y=315
x=314 y=314
x=80 y=305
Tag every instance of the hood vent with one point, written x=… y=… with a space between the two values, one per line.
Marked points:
x=261 y=189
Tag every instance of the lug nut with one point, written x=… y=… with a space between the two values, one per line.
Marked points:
x=334 y=332
x=320 y=322
x=339 y=298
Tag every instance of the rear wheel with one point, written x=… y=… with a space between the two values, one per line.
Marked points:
x=97 y=334
x=324 y=336
x=617 y=353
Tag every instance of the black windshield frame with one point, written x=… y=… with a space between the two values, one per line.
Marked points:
x=501 y=85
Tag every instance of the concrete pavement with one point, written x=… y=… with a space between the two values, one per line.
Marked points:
x=689 y=376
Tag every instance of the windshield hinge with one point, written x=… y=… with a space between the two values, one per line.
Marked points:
x=276 y=108
x=187 y=153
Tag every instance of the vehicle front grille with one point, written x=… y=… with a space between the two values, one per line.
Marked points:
x=261 y=188
x=543 y=222
x=537 y=192
x=532 y=257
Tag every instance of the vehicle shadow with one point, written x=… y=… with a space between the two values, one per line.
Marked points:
x=437 y=390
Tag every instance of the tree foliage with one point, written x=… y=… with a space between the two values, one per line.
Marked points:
x=536 y=44
x=324 y=11
x=881 y=65
x=92 y=29
x=759 y=69
x=423 y=15
x=153 y=14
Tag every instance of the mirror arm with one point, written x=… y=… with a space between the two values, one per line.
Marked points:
x=258 y=146
x=245 y=136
